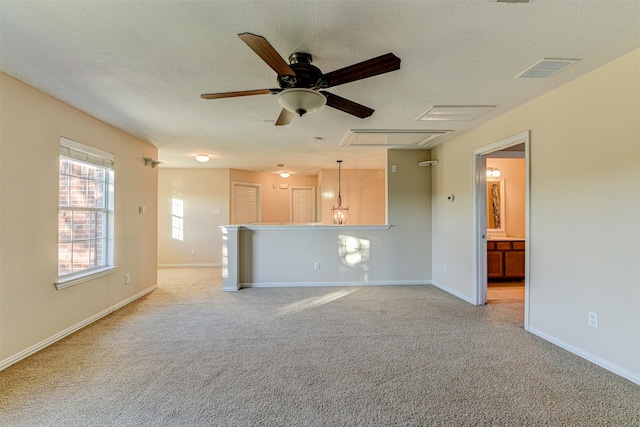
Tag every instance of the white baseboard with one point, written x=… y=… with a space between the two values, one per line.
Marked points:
x=618 y=370
x=337 y=284
x=194 y=265
x=62 y=334
x=452 y=292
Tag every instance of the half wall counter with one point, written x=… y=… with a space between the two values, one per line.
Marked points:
x=320 y=255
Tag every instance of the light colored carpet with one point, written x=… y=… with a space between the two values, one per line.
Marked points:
x=189 y=354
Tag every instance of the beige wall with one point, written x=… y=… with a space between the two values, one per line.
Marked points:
x=585 y=198
x=32 y=311
x=363 y=191
x=512 y=171
x=276 y=201
x=202 y=191
x=396 y=254
x=409 y=211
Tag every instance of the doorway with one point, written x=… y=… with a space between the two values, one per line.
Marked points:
x=481 y=233
x=303 y=204
x=245 y=203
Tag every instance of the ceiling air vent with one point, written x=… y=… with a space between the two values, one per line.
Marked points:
x=546 y=68
x=455 y=112
x=392 y=138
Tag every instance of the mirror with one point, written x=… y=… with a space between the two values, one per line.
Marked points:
x=495 y=206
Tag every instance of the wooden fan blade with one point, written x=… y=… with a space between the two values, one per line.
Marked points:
x=347 y=106
x=285 y=117
x=264 y=50
x=362 y=70
x=240 y=93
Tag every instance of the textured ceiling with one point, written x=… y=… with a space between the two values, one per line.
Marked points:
x=142 y=65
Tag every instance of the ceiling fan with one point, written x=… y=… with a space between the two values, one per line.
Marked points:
x=301 y=83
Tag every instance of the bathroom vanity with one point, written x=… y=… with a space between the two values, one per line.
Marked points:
x=505 y=259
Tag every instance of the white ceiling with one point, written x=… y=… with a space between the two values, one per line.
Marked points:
x=142 y=65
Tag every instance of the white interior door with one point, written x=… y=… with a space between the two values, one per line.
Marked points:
x=246 y=203
x=303 y=201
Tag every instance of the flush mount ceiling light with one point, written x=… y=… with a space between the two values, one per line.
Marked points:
x=202 y=158
x=546 y=68
x=455 y=112
x=301 y=101
x=285 y=174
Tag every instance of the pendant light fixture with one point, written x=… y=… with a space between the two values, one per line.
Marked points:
x=340 y=213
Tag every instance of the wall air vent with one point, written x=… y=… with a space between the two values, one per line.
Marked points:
x=392 y=137
x=546 y=68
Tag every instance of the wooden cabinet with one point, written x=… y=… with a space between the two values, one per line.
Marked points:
x=505 y=260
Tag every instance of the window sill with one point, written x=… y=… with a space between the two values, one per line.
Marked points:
x=65 y=282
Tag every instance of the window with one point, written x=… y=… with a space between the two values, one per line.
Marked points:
x=85 y=213
x=177 y=219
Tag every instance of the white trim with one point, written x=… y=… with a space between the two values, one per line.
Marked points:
x=193 y=265
x=86 y=153
x=479 y=220
x=618 y=370
x=86 y=148
x=62 y=334
x=479 y=230
x=336 y=284
x=508 y=155
x=313 y=199
x=503 y=143
x=312 y=227
x=258 y=188
x=84 y=276
x=452 y=292
x=104 y=161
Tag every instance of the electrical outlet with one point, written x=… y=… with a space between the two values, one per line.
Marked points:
x=594 y=319
x=444 y=268
x=193 y=251
x=127 y=278
x=316 y=265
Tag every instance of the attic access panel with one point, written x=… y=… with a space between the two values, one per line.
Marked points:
x=392 y=138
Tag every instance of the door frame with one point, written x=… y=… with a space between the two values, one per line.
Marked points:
x=258 y=188
x=313 y=200
x=480 y=220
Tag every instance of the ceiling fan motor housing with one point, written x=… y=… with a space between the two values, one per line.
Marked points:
x=307 y=76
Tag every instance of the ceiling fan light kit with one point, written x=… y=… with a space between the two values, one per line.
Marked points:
x=301 y=83
x=301 y=101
